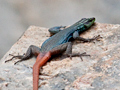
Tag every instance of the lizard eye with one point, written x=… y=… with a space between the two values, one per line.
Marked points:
x=85 y=26
x=90 y=20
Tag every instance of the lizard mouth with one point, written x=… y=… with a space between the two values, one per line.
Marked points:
x=92 y=19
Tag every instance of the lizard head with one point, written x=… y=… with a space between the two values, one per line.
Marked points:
x=84 y=24
x=88 y=22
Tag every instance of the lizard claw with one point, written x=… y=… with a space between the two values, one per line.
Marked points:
x=83 y=54
x=97 y=38
x=13 y=56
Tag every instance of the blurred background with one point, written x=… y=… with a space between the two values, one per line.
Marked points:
x=17 y=15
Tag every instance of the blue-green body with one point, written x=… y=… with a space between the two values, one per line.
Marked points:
x=66 y=34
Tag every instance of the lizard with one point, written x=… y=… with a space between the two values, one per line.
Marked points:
x=58 y=43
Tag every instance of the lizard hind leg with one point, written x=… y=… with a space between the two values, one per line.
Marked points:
x=32 y=50
x=69 y=53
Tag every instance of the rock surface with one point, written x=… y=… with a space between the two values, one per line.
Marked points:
x=98 y=72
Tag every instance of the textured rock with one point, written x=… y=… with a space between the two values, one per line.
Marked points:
x=98 y=72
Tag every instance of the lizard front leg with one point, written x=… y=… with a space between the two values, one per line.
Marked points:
x=77 y=37
x=56 y=29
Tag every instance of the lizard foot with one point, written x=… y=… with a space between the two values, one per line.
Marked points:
x=77 y=55
x=95 y=38
x=13 y=56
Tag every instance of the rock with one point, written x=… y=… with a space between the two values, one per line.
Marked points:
x=98 y=72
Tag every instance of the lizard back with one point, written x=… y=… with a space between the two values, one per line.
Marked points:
x=66 y=34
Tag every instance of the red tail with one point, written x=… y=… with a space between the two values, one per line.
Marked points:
x=40 y=61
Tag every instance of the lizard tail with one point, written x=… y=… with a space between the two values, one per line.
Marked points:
x=36 y=68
